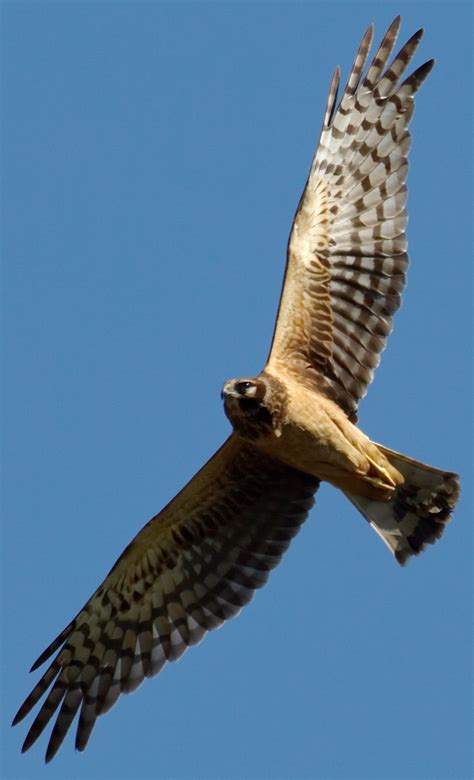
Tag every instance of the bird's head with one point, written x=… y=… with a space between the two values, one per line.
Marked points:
x=250 y=406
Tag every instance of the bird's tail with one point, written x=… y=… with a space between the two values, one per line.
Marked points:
x=419 y=509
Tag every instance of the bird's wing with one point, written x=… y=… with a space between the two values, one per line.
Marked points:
x=190 y=568
x=347 y=256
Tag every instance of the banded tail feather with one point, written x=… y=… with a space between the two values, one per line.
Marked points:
x=419 y=510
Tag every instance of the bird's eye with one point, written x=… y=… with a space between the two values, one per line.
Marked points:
x=243 y=386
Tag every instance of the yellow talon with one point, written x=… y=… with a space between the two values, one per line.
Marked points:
x=388 y=479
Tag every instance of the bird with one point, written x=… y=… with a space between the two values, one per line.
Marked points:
x=200 y=560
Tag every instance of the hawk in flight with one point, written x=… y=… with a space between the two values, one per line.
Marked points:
x=197 y=562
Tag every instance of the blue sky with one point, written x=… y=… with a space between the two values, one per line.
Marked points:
x=153 y=157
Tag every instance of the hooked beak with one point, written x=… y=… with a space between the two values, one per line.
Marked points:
x=228 y=391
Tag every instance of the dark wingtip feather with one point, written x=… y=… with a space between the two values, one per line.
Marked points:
x=418 y=35
x=18 y=717
x=30 y=739
x=51 y=751
x=46 y=654
x=395 y=27
x=420 y=74
x=55 y=644
x=22 y=711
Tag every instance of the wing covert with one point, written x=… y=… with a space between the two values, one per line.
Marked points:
x=347 y=259
x=194 y=565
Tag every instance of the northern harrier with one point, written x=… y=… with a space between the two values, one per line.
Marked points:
x=198 y=561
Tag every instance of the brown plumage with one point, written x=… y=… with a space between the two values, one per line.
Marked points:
x=201 y=558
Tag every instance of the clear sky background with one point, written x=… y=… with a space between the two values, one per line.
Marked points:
x=153 y=157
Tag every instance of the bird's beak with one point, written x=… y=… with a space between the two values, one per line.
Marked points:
x=228 y=391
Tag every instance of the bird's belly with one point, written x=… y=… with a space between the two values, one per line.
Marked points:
x=340 y=454
x=321 y=452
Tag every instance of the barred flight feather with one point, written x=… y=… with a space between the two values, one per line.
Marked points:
x=192 y=567
x=347 y=253
x=419 y=510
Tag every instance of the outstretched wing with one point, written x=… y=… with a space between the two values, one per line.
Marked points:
x=190 y=568
x=347 y=249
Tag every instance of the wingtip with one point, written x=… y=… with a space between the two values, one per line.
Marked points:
x=419 y=75
x=368 y=36
x=425 y=69
x=21 y=713
x=394 y=28
x=50 y=753
x=16 y=720
x=29 y=740
x=40 y=661
x=412 y=43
